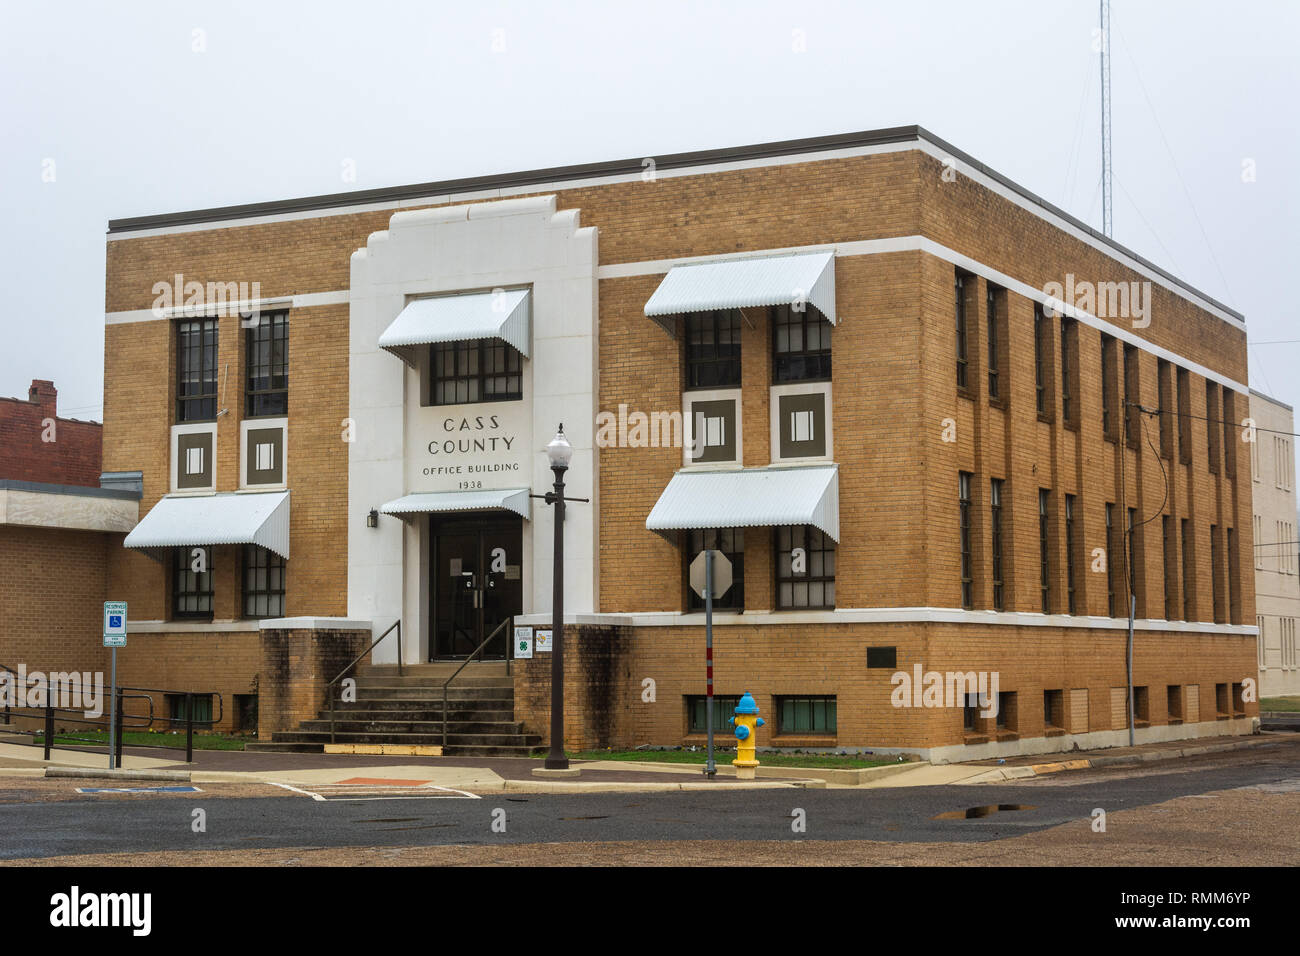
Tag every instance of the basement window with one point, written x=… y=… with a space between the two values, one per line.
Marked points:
x=806 y=715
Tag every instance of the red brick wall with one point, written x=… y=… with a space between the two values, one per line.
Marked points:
x=37 y=445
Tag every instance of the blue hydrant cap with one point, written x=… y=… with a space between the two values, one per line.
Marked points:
x=746 y=704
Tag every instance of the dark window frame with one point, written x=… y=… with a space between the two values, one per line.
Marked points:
x=964 y=538
x=1069 y=555
x=485 y=363
x=1113 y=555
x=266 y=374
x=830 y=714
x=189 y=587
x=962 y=330
x=1044 y=548
x=712 y=364
x=1109 y=388
x=197 y=343
x=734 y=599
x=724 y=708
x=994 y=294
x=803 y=364
x=1212 y=433
x=803 y=536
x=1040 y=355
x=1184 y=399
x=995 y=536
x=1132 y=395
x=1069 y=343
x=254 y=558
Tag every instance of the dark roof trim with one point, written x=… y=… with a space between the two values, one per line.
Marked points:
x=82 y=491
x=624 y=167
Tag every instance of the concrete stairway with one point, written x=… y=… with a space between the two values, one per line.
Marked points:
x=407 y=709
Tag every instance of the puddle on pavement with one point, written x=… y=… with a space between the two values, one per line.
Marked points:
x=975 y=813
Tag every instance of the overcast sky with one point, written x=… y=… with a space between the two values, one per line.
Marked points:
x=134 y=112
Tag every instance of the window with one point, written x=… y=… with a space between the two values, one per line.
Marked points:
x=1007 y=717
x=1069 y=344
x=959 y=294
x=196 y=371
x=192 y=583
x=1170 y=568
x=995 y=529
x=1229 y=433
x=176 y=710
x=1174 y=702
x=1054 y=709
x=1135 y=601
x=1044 y=552
x=245 y=712
x=263 y=582
x=266 y=387
x=1216 y=572
x=1283 y=464
x=731 y=542
x=697 y=709
x=1184 y=417
x=805 y=715
x=1212 y=424
x=1113 y=558
x=1234 y=592
x=1257 y=525
x=1254 y=457
x=1165 y=404
x=1238 y=700
x=1132 y=426
x=801 y=345
x=963 y=497
x=1288 y=642
x=1069 y=554
x=996 y=318
x=1189 y=571
x=1221 y=699
x=1109 y=413
x=713 y=349
x=805 y=568
x=479 y=370
x=1141 y=705
x=1040 y=360
x=970 y=714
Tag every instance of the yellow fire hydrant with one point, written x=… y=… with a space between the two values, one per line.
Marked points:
x=746 y=723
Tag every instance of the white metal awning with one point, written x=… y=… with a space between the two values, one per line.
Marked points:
x=504 y=314
x=434 y=502
x=807 y=278
x=751 y=498
x=190 y=521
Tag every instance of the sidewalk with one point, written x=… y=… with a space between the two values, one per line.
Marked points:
x=495 y=774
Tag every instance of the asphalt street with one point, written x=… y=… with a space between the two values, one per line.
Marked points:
x=90 y=825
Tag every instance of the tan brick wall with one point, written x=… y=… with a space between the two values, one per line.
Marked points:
x=226 y=663
x=52 y=589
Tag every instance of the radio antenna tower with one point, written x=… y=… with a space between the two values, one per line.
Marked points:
x=1106 y=216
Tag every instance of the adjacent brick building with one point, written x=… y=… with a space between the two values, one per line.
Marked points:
x=929 y=408
x=58 y=528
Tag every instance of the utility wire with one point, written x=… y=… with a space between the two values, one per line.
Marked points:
x=1202 y=418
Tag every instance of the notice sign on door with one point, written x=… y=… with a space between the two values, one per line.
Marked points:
x=543 y=642
x=523 y=643
x=115 y=624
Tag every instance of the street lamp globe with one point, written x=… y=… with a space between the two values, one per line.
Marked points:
x=559 y=451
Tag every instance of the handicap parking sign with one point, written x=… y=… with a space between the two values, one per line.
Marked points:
x=115 y=624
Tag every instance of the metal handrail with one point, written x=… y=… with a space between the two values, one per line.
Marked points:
x=330 y=694
x=472 y=655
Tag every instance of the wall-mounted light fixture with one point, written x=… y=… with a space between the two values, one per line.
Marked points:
x=372 y=519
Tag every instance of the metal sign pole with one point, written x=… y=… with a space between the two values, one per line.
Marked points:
x=112 y=715
x=709 y=768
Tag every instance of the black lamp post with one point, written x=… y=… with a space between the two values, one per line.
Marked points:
x=560 y=453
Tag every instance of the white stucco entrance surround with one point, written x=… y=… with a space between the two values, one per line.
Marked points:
x=516 y=243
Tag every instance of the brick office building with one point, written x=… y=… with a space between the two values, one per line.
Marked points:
x=908 y=377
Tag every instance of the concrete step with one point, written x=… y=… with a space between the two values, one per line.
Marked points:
x=455 y=692
x=270 y=747
x=454 y=727
x=459 y=740
x=439 y=670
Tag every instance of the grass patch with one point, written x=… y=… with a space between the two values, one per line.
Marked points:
x=816 y=761
x=1280 y=704
x=147 y=738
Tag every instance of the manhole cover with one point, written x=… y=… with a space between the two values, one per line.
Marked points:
x=974 y=813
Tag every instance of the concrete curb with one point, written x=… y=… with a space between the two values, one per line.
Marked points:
x=854 y=777
x=541 y=786
x=1120 y=760
x=96 y=773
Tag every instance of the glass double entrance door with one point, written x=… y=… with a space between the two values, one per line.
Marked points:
x=477 y=583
